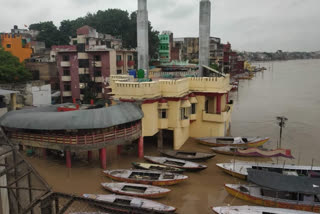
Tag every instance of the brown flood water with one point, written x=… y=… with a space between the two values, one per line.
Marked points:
x=291 y=89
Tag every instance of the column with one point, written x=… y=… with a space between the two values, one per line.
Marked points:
x=89 y=156
x=119 y=149
x=219 y=104
x=103 y=158
x=13 y=102
x=140 y=147
x=68 y=159
x=44 y=153
x=160 y=139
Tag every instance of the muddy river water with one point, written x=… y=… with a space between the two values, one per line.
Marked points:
x=288 y=89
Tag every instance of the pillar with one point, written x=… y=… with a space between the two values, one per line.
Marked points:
x=219 y=104
x=89 y=156
x=119 y=149
x=204 y=34
x=44 y=153
x=68 y=159
x=103 y=158
x=140 y=147
x=143 y=36
x=92 y=102
x=13 y=102
x=160 y=139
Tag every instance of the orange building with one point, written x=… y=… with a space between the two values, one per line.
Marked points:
x=18 y=46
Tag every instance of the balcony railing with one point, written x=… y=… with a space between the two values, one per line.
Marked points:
x=218 y=118
x=77 y=139
x=66 y=78
x=65 y=64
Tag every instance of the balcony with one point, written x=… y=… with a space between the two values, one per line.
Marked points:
x=66 y=78
x=97 y=79
x=131 y=63
x=217 y=118
x=65 y=64
x=67 y=94
x=120 y=63
x=163 y=123
x=83 y=56
x=98 y=64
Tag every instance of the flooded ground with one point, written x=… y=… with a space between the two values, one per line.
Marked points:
x=291 y=90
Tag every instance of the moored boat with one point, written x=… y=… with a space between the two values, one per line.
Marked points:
x=133 y=202
x=185 y=155
x=271 y=198
x=252 y=152
x=186 y=165
x=151 y=166
x=239 y=169
x=136 y=190
x=255 y=210
x=233 y=141
x=149 y=177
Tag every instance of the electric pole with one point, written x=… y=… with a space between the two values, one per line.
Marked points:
x=282 y=123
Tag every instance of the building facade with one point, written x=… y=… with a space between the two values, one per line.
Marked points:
x=85 y=67
x=164 y=48
x=188 y=107
x=16 y=45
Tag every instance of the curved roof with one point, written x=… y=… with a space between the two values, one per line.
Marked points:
x=48 y=118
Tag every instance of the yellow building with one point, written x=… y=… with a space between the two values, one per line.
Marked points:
x=190 y=107
x=16 y=45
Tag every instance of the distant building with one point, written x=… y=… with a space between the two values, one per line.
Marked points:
x=165 y=46
x=17 y=45
x=87 y=65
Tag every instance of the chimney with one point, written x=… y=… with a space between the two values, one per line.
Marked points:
x=143 y=36
x=204 y=34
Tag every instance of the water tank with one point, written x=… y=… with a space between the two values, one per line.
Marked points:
x=140 y=73
x=133 y=73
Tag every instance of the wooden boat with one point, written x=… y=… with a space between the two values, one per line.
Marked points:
x=192 y=156
x=267 y=197
x=182 y=164
x=233 y=141
x=255 y=210
x=252 y=152
x=136 y=190
x=133 y=202
x=150 y=166
x=149 y=177
x=239 y=169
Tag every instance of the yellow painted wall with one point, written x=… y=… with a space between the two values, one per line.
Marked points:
x=150 y=119
x=16 y=46
x=180 y=136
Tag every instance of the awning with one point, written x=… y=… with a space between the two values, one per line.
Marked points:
x=286 y=183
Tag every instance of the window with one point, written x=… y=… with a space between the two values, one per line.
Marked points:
x=84 y=78
x=67 y=87
x=81 y=48
x=75 y=42
x=193 y=108
x=184 y=114
x=99 y=88
x=163 y=114
x=83 y=63
x=65 y=58
x=119 y=71
x=97 y=73
x=130 y=58
x=119 y=58
x=97 y=58
x=66 y=72
x=8 y=45
x=35 y=75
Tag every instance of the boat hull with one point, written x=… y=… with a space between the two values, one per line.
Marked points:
x=197 y=157
x=252 y=144
x=270 y=203
x=148 y=182
x=233 y=173
x=167 y=169
x=253 y=152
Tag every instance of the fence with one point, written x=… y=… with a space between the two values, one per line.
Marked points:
x=23 y=191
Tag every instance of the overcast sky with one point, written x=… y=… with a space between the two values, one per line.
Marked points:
x=253 y=25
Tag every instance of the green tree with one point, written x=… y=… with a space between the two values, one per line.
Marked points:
x=11 y=70
x=50 y=34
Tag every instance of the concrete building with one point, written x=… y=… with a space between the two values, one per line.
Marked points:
x=17 y=45
x=187 y=107
x=204 y=34
x=165 y=47
x=143 y=35
x=85 y=68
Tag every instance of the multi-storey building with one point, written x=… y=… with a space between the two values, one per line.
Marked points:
x=17 y=45
x=84 y=68
x=187 y=107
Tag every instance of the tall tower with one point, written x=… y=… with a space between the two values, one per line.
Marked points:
x=204 y=34
x=143 y=36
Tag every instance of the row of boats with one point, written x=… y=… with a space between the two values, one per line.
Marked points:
x=135 y=187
